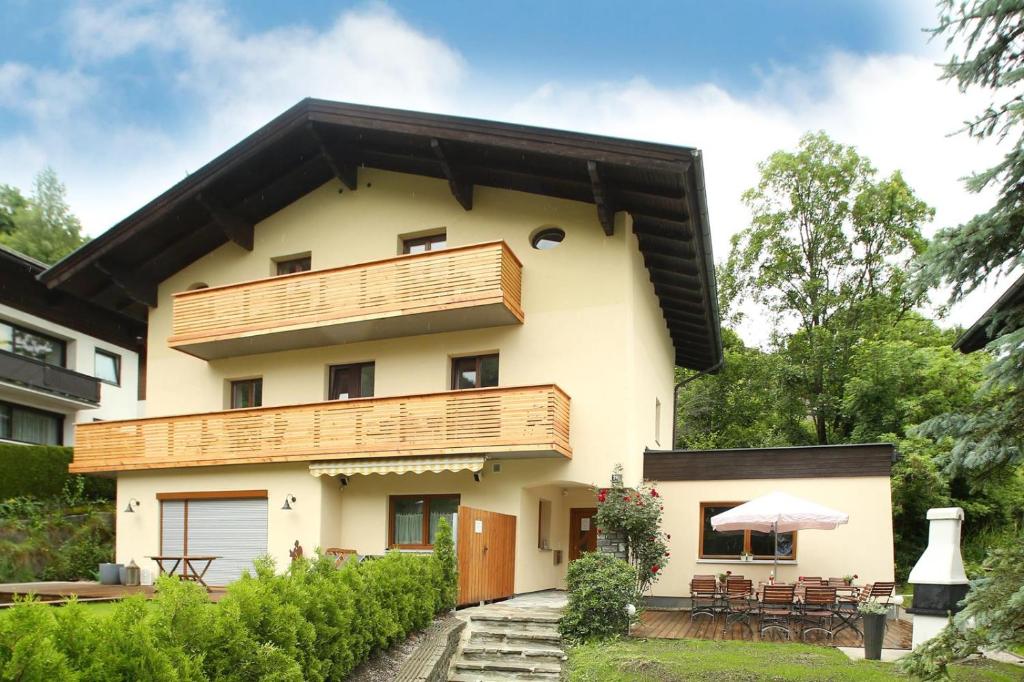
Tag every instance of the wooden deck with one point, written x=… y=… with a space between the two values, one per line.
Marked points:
x=677 y=625
x=59 y=592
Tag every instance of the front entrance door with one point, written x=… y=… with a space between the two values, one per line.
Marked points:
x=487 y=555
x=582 y=532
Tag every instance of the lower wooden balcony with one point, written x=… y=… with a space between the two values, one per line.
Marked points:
x=464 y=287
x=524 y=421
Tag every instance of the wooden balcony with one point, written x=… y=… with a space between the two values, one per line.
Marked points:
x=526 y=421
x=468 y=287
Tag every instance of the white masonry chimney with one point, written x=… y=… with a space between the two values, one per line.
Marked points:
x=938 y=577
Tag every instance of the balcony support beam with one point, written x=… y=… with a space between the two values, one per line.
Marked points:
x=461 y=189
x=343 y=170
x=605 y=210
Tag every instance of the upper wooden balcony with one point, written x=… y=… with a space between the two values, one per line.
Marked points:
x=525 y=421
x=467 y=287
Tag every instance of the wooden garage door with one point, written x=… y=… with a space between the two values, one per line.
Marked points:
x=233 y=529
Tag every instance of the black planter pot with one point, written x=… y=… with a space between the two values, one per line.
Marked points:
x=874 y=632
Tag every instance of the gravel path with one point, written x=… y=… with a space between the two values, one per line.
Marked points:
x=383 y=666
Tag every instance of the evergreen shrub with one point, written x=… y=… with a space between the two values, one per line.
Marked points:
x=601 y=587
x=41 y=471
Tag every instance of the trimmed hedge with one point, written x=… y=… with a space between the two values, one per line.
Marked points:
x=313 y=622
x=41 y=471
x=601 y=586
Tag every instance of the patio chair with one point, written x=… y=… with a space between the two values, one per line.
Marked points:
x=818 y=611
x=738 y=604
x=812 y=580
x=847 y=607
x=703 y=598
x=776 y=608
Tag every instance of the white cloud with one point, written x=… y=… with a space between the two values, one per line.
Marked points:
x=231 y=81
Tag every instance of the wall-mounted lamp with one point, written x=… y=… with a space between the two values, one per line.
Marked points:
x=133 y=504
x=289 y=500
x=478 y=476
x=343 y=481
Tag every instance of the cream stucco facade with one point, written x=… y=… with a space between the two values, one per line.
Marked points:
x=863 y=547
x=593 y=326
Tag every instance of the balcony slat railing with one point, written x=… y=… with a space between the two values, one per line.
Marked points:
x=42 y=376
x=457 y=278
x=488 y=420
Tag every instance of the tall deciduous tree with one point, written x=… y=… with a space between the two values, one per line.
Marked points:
x=41 y=226
x=826 y=253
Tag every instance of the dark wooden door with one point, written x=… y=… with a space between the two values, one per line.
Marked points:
x=487 y=555
x=582 y=532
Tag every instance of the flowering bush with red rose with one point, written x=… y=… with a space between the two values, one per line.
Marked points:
x=635 y=514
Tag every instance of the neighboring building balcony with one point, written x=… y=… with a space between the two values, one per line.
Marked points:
x=468 y=287
x=525 y=421
x=57 y=385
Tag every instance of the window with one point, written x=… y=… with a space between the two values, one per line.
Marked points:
x=547 y=238
x=293 y=265
x=414 y=517
x=478 y=371
x=108 y=367
x=544 y=525
x=731 y=544
x=351 y=381
x=246 y=393
x=423 y=244
x=31 y=344
x=27 y=425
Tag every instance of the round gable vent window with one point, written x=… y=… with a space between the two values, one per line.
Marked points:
x=547 y=238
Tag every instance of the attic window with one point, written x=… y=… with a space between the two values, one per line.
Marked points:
x=547 y=238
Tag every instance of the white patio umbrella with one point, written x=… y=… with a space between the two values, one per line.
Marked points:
x=777 y=513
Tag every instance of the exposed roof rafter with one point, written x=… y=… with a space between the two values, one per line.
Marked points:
x=605 y=211
x=461 y=189
x=235 y=227
x=138 y=289
x=343 y=170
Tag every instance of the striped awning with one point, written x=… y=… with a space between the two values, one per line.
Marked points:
x=398 y=465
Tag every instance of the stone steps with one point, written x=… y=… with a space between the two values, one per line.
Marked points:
x=504 y=643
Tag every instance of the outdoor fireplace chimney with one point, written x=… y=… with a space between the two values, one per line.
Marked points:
x=938 y=577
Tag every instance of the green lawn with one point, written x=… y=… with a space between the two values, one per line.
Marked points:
x=638 y=660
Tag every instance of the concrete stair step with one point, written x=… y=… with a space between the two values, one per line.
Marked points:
x=491 y=676
x=504 y=652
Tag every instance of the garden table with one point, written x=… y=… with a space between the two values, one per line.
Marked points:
x=189 y=570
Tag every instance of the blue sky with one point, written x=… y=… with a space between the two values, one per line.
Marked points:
x=123 y=97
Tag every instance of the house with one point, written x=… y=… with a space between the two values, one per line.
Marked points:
x=363 y=320
x=62 y=361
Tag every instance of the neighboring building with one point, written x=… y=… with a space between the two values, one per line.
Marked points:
x=62 y=360
x=982 y=332
x=697 y=484
x=363 y=319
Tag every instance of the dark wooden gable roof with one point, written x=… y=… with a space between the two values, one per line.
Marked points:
x=810 y=461
x=661 y=186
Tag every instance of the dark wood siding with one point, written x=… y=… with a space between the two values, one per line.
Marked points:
x=828 y=461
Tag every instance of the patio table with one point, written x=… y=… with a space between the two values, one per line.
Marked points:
x=186 y=562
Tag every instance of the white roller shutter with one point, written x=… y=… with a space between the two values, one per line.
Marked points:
x=172 y=527
x=234 y=530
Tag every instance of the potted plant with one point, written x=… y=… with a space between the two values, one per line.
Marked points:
x=873 y=615
x=746 y=556
x=848 y=579
x=722 y=577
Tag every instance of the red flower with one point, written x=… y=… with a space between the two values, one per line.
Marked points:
x=655 y=568
x=668 y=537
x=654 y=493
x=728 y=572
x=626 y=498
